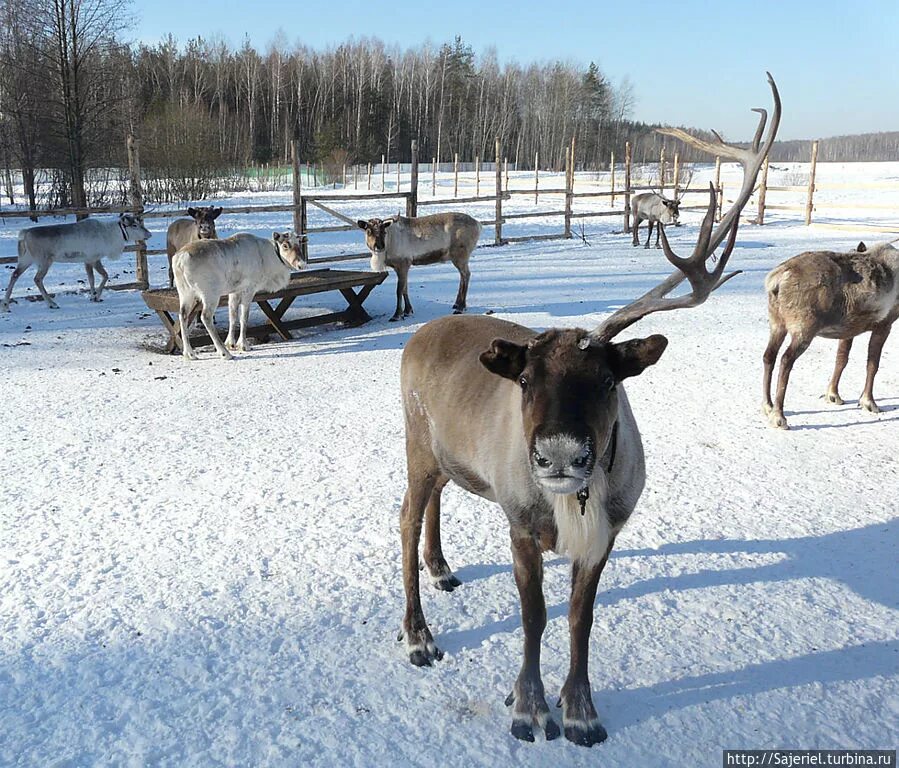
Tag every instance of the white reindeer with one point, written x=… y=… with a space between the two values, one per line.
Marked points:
x=240 y=266
x=87 y=241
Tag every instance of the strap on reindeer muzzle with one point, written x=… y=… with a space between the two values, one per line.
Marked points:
x=607 y=462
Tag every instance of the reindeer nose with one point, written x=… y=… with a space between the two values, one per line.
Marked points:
x=560 y=454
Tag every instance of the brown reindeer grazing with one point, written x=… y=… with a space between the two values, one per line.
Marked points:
x=402 y=242
x=837 y=296
x=200 y=226
x=540 y=423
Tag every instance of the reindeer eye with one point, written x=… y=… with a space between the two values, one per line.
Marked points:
x=523 y=382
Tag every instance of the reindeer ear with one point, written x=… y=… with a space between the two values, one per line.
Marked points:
x=387 y=223
x=216 y=212
x=362 y=224
x=861 y=248
x=192 y=212
x=504 y=358
x=632 y=357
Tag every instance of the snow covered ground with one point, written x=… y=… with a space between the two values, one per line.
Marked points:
x=200 y=563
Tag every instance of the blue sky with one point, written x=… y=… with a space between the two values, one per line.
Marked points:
x=693 y=63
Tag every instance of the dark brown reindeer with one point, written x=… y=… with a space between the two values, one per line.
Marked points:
x=540 y=424
x=200 y=226
x=837 y=296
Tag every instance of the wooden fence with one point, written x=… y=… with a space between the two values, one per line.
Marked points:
x=500 y=193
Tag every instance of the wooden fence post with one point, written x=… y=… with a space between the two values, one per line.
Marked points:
x=627 y=186
x=412 y=200
x=809 y=205
x=456 y=175
x=718 y=188
x=498 y=238
x=344 y=175
x=299 y=204
x=477 y=176
x=763 y=188
x=433 y=177
x=397 y=175
x=536 y=177
x=355 y=176
x=568 y=175
x=369 y=177
x=382 y=172
x=573 y=148
x=676 y=174
x=662 y=170
x=141 y=269
x=612 y=169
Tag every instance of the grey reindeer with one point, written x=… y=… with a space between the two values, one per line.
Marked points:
x=402 y=242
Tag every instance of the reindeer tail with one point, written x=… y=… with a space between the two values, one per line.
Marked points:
x=774 y=279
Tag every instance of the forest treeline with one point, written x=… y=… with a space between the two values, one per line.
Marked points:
x=71 y=90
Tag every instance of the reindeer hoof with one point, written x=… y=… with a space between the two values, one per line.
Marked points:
x=446 y=583
x=777 y=421
x=394 y=318
x=586 y=734
x=52 y=305
x=522 y=730
x=869 y=405
x=833 y=397
x=421 y=647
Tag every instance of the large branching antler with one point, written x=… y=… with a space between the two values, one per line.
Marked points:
x=693 y=268
x=702 y=281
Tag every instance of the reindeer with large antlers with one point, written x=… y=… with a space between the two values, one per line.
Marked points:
x=541 y=424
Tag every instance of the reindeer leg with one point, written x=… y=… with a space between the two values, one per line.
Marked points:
x=242 y=344
x=648 y=233
x=90 y=280
x=658 y=233
x=579 y=716
x=833 y=394
x=441 y=574
x=796 y=347
x=16 y=274
x=208 y=317
x=39 y=282
x=527 y=699
x=875 y=347
x=464 y=276
x=185 y=321
x=419 y=641
x=775 y=339
x=233 y=308
x=402 y=277
x=635 y=241
x=104 y=277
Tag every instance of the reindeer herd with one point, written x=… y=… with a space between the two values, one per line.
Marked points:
x=546 y=430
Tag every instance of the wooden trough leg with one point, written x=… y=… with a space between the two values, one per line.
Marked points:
x=174 y=328
x=275 y=314
x=356 y=312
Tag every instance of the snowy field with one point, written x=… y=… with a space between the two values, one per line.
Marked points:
x=200 y=563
